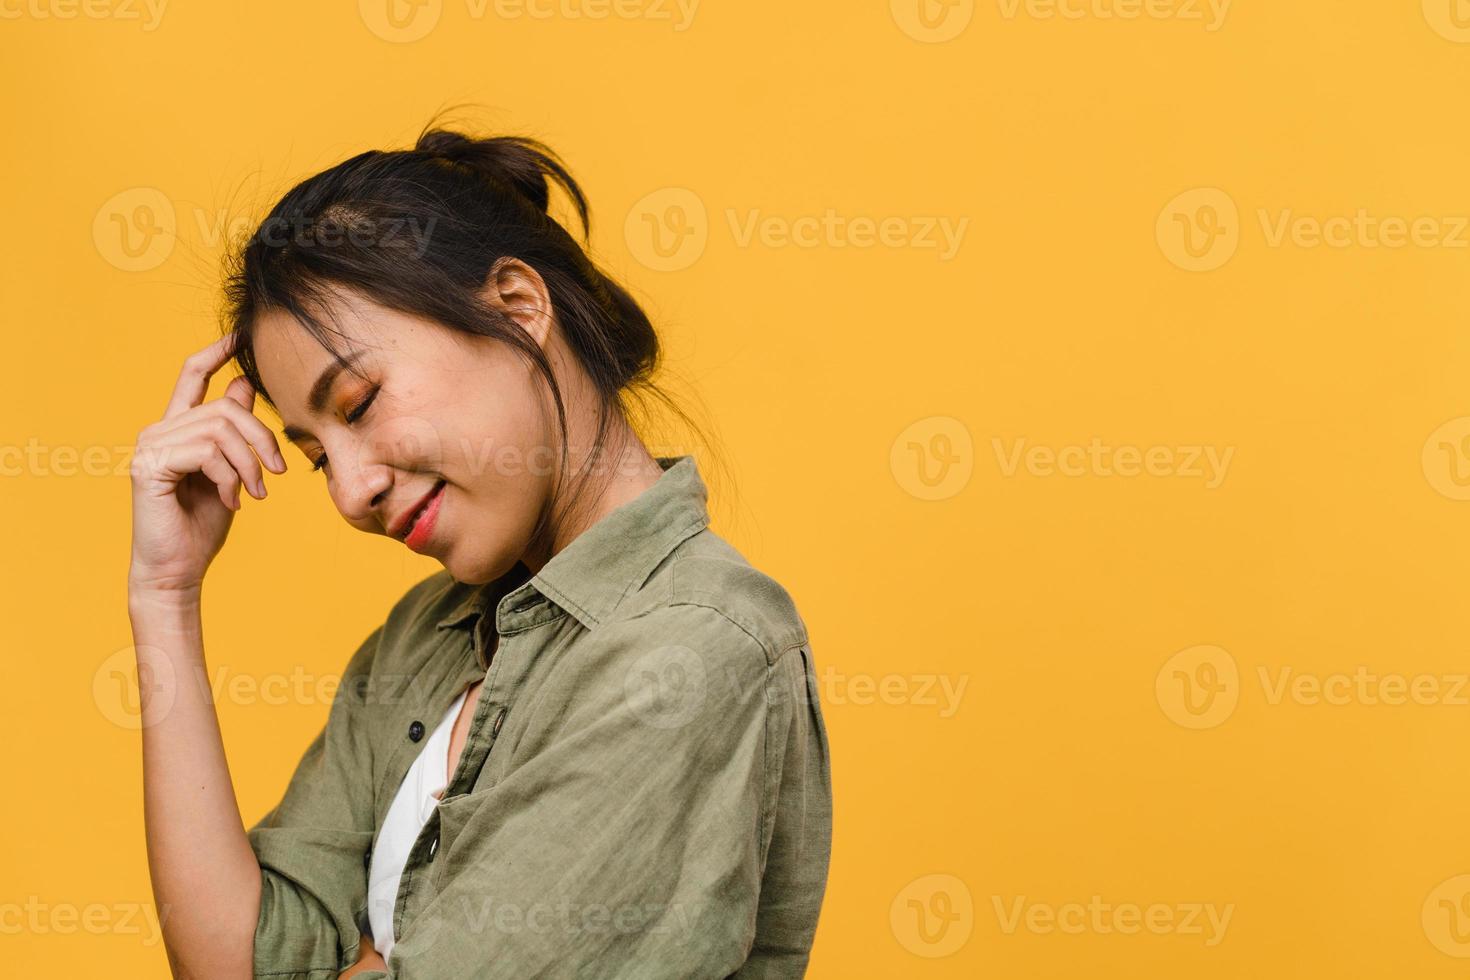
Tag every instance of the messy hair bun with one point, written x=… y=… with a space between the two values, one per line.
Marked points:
x=518 y=162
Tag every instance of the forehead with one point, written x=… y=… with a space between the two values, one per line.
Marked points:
x=286 y=350
x=297 y=368
x=289 y=356
x=292 y=361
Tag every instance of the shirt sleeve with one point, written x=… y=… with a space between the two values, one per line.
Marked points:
x=629 y=835
x=311 y=847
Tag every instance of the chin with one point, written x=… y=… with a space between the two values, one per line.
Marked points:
x=469 y=574
x=477 y=570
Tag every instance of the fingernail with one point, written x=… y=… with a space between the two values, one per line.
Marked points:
x=260 y=488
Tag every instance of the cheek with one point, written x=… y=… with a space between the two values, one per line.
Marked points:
x=410 y=442
x=502 y=439
x=407 y=431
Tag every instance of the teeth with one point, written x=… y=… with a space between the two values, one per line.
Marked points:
x=418 y=513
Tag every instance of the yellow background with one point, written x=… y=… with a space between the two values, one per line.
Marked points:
x=867 y=399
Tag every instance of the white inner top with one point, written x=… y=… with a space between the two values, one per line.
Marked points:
x=417 y=796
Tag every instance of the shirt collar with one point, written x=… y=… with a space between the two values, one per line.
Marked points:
x=592 y=574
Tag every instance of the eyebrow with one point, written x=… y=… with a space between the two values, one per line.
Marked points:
x=316 y=399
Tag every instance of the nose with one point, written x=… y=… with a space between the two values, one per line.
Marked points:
x=360 y=489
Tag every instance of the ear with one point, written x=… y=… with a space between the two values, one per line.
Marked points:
x=518 y=291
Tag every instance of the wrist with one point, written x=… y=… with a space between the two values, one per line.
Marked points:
x=167 y=584
x=152 y=595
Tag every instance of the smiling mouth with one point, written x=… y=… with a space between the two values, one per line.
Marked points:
x=413 y=520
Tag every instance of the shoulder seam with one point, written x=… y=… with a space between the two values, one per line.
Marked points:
x=772 y=653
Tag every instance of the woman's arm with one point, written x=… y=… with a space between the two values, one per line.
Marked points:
x=187 y=471
x=203 y=870
x=367 y=959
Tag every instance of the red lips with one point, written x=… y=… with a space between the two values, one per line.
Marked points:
x=400 y=527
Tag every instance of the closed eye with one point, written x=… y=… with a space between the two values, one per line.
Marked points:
x=356 y=413
x=362 y=406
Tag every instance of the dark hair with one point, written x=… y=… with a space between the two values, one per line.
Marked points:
x=419 y=231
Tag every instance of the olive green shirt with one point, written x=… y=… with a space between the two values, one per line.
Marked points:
x=644 y=790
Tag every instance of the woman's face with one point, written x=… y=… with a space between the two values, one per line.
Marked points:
x=434 y=438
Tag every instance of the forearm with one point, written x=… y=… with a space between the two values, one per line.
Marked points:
x=205 y=877
x=368 y=960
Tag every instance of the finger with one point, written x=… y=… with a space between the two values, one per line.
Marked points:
x=234 y=404
x=226 y=481
x=194 y=377
x=241 y=391
x=221 y=431
x=172 y=462
x=237 y=450
x=237 y=402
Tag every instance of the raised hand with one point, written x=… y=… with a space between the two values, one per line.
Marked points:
x=187 y=470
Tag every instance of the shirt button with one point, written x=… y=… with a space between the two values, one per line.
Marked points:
x=495 y=728
x=433 y=846
x=416 y=730
x=367 y=859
